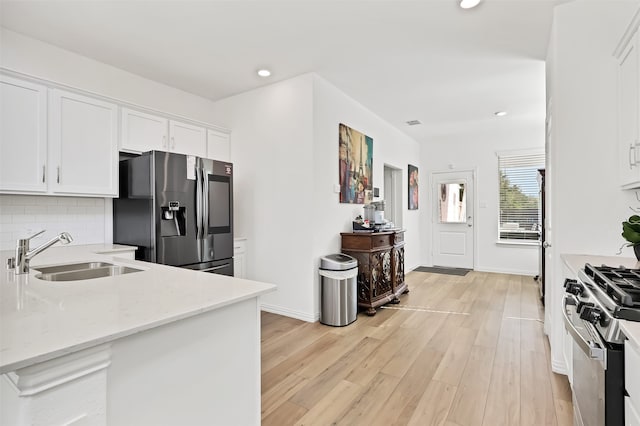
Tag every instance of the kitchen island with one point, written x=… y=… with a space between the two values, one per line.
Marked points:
x=160 y=346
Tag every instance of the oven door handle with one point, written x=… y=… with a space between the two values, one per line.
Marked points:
x=594 y=350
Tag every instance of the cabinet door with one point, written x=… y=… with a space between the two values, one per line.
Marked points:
x=83 y=145
x=218 y=147
x=23 y=136
x=239 y=259
x=143 y=132
x=187 y=139
x=628 y=114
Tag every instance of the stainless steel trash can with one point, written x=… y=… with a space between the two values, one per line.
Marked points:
x=338 y=289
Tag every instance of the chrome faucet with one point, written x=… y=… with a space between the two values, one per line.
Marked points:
x=24 y=255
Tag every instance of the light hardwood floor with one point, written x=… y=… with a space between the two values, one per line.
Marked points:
x=485 y=362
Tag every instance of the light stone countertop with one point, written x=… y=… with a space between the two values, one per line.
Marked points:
x=575 y=262
x=41 y=320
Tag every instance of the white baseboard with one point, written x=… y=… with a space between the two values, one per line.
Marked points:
x=410 y=268
x=559 y=367
x=507 y=271
x=304 y=316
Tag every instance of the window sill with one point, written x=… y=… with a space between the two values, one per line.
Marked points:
x=522 y=243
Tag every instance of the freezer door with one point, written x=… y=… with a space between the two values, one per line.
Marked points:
x=175 y=209
x=217 y=210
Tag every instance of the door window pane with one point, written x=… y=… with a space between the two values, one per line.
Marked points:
x=453 y=202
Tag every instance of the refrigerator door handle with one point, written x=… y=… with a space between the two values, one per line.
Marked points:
x=205 y=204
x=198 y=205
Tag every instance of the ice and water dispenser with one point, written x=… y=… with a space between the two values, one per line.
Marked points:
x=173 y=220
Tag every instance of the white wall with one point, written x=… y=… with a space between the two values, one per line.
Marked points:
x=284 y=149
x=271 y=149
x=38 y=59
x=474 y=146
x=587 y=205
x=390 y=146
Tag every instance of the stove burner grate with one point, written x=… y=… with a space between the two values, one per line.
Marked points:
x=621 y=284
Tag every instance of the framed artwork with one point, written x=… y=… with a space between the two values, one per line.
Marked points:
x=355 y=165
x=413 y=187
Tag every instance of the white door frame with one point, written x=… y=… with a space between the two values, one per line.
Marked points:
x=476 y=209
x=398 y=204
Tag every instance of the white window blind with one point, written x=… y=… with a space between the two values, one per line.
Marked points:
x=520 y=196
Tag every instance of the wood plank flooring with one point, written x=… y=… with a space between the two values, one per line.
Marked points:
x=456 y=351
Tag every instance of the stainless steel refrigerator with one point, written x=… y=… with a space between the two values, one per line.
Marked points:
x=178 y=210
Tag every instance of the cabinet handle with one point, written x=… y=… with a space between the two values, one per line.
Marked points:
x=58 y=179
x=173 y=142
x=43 y=172
x=632 y=156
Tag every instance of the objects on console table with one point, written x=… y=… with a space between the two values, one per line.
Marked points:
x=380 y=266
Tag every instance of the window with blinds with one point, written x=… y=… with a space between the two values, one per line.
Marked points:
x=520 y=196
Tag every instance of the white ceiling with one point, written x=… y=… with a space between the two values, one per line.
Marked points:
x=427 y=60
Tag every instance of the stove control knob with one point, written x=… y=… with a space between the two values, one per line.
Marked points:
x=592 y=315
x=582 y=305
x=573 y=287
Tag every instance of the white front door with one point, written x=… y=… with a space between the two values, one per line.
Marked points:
x=453 y=219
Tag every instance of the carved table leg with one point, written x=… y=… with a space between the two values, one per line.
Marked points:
x=371 y=312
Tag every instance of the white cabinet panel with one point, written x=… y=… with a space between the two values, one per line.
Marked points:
x=631 y=417
x=628 y=114
x=83 y=145
x=188 y=139
x=143 y=132
x=23 y=136
x=628 y=58
x=632 y=372
x=218 y=146
x=239 y=258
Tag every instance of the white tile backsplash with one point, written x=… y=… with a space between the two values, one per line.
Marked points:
x=86 y=219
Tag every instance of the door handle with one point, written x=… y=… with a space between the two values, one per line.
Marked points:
x=546 y=245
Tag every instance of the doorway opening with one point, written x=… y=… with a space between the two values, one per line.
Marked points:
x=393 y=195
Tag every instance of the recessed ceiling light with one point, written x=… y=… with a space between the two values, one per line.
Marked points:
x=500 y=113
x=468 y=4
x=264 y=72
x=413 y=122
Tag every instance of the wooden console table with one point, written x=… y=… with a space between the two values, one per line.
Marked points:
x=380 y=266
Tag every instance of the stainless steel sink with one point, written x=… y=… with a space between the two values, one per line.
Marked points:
x=71 y=267
x=82 y=271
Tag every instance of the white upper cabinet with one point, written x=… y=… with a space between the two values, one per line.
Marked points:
x=218 y=147
x=629 y=107
x=188 y=139
x=83 y=145
x=143 y=132
x=23 y=136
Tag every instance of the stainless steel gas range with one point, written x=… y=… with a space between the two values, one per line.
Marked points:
x=593 y=306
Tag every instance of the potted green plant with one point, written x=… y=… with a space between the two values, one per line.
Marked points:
x=631 y=233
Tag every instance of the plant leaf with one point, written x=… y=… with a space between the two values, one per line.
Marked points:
x=630 y=234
